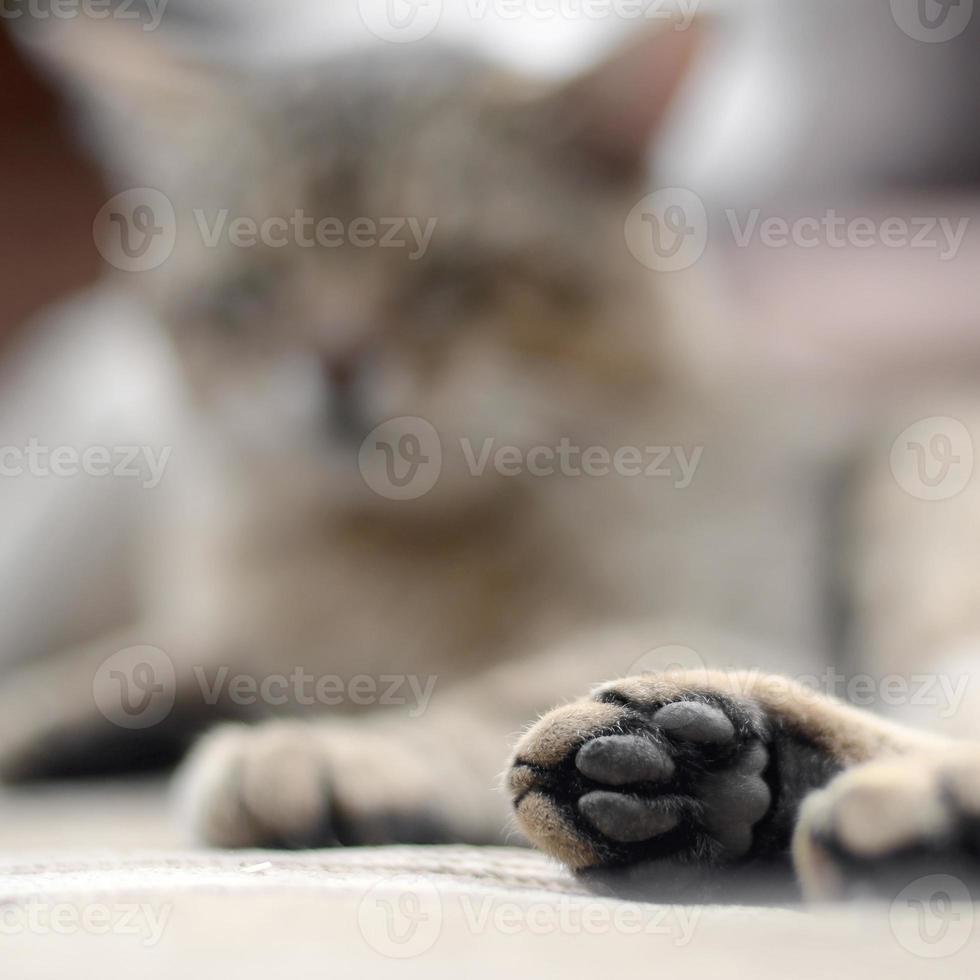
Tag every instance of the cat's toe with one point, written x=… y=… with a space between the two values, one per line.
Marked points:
x=638 y=774
x=878 y=828
x=694 y=721
x=256 y=787
x=627 y=819
x=618 y=760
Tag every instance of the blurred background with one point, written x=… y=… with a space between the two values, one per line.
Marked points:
x=797 y=105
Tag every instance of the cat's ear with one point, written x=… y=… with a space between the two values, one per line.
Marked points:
x=614 y=110
x=143 y=91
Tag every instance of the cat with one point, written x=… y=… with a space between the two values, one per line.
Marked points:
x=634 y=505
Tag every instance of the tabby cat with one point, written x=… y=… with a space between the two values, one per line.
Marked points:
x=600 y=508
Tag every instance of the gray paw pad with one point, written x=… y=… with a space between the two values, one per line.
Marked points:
x=617 y=760
x=693 y=721
x=753 y=761
x=736 y=800
x=625 y=818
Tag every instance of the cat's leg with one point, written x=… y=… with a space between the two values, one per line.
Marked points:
x=702 y=767
x=432 y=775
x=883 y=826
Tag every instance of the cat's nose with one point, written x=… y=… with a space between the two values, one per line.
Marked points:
x=344 y=378
x=341 y=372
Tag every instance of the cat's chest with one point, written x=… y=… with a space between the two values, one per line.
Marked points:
x=726 y=523
x=342 y=602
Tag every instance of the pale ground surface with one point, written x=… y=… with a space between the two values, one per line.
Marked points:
x=85 y=857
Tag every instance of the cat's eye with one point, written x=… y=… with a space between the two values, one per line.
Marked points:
x=447 y=296
x=241 y=303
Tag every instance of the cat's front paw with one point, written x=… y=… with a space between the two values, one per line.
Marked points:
x=646 y=769
x=263 y=786
x=879 y=828
x=289 y=784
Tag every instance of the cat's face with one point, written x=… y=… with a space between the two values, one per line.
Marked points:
x=423 y=237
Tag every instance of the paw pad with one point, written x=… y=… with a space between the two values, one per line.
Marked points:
x=626 y=818
x=653 y=781
x=617 y=760
x=693 y=721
